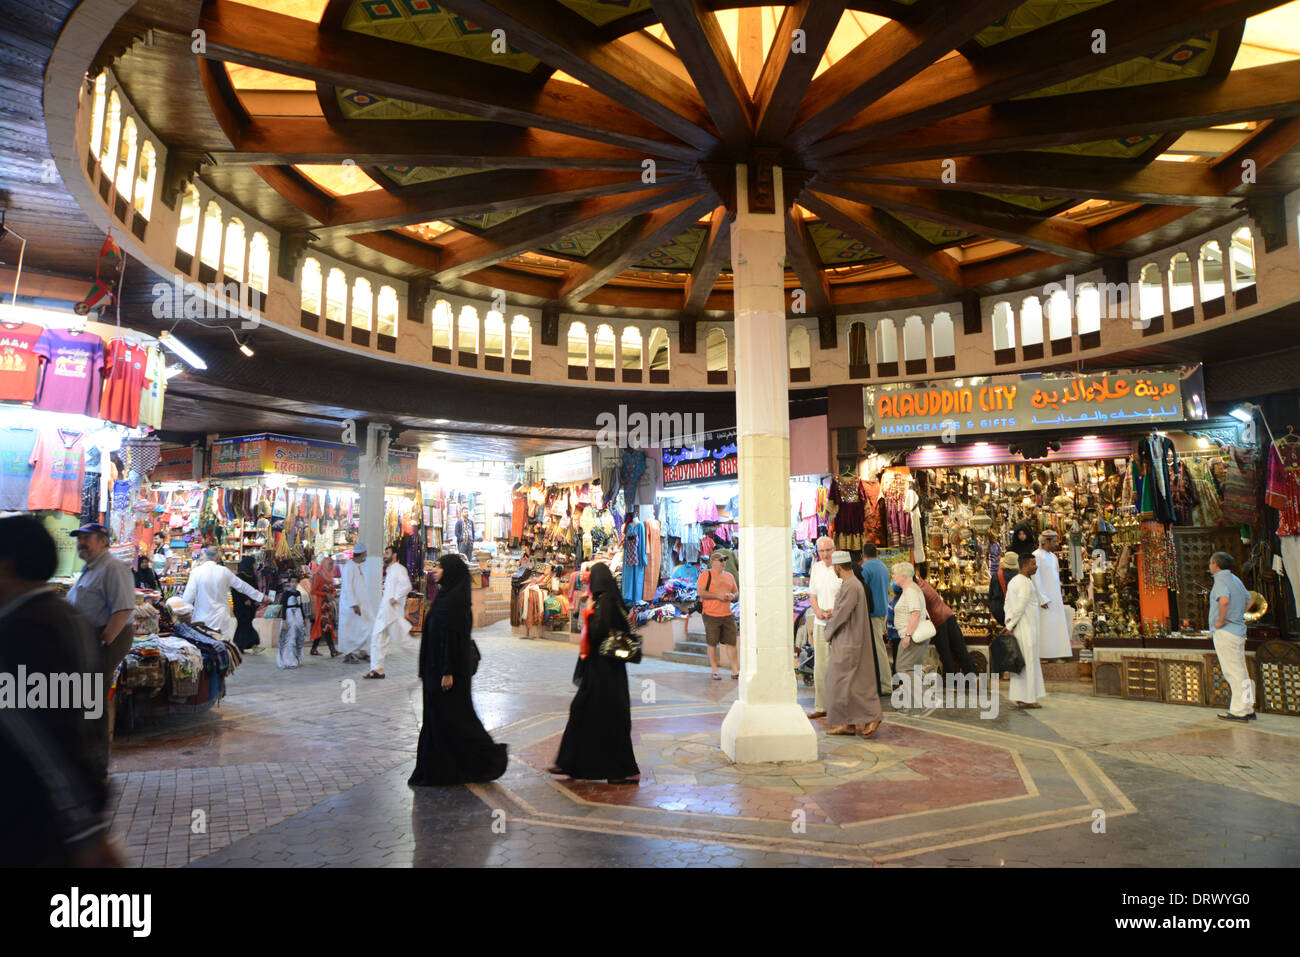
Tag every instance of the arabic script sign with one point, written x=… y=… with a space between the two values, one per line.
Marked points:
x=1050 y=402
x=707 y=461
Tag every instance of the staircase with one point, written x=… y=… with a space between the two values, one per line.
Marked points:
x=692 y=651
x=496 y=604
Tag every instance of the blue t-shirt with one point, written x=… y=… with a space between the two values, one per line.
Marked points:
x=1226 y=583
x=876 y=576
x=15 y=469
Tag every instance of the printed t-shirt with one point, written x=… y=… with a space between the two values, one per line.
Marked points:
x=721 y=583
x=151 y=396
x=15 y=468
x=58 y=458
x=123 y=381
x=70 y=382
x=19 y=363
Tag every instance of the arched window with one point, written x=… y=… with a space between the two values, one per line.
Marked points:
x=1151 y=293
x=943 y=336
x=310 y=285
x=494 y=335
x=577 y=345
x=125 y=177
x=363 y=304
x=187 y=234
x=913 y=338
x=259 y=262
x=1211 y=269
x=97 y=114
x=715 y=350
x=1058 y=315
x=144 y=179
x=1243 y=258
x=1004 y=327
x=604 y=347
x=467 y=330
x=387 y=311
x=632 y=348
x=886 y=341
x=521 y=339
x=1088 y=308
x=210 y=251
x=441 y=325
x=800 y=349
x=1180 y=282
x=233 y=256
x=659 y=357
x=858 y=349
x=336 y=297
x=112 y=132
x=1031 y=322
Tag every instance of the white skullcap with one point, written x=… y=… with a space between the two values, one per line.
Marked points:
x=841 y=558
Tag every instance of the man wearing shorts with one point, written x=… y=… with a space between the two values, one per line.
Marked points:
x=717 y=590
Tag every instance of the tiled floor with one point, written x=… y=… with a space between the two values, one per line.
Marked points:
x=308 y=768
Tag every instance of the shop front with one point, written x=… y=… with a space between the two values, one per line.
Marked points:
x=1140 y=487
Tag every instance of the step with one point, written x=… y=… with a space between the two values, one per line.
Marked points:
x=685 y=658
x=691 y=647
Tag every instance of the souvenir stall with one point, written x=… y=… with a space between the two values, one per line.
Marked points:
x=1139 y=508
x=168 y=531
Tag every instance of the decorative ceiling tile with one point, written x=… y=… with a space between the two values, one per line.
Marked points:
x=358 y=105
x=410 y=175
x=1036 y=203
x=583 y=245
x=423 y=23
x=837 y=248
x=1178 y=61
x=678 y=253
x=1031 y=16
x=601 y=12
x=481 y=221
x=932 y=232
x=1125 y=147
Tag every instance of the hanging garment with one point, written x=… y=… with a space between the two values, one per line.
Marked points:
x=16 y=467
x=847 y=494
x=124 y=381
x=19 y=362
x=71 y=374
x=654 y=557
x=1239 y=486
x=58 y=463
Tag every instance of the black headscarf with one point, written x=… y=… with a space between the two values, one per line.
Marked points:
x=447 y=626
x=248 y=569
x=1030 y=542
x=610 y=615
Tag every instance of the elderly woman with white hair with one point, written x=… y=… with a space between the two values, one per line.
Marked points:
x=914 y=631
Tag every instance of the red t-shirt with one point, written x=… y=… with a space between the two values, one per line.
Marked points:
x=124 y=377
x=19 y=363
x=59 y=460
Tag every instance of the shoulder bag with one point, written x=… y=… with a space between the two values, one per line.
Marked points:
x=623 y=645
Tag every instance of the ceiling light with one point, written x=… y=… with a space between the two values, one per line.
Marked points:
x=169 y=341
x=441 y=421
x=246 y=346
x=172 y=372
x=1243 y=413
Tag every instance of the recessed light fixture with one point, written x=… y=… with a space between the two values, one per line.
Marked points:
x=246 y=346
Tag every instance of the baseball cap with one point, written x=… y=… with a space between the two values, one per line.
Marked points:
x=91 y=527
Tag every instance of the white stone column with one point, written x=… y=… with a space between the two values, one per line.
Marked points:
x=374 y=476
x=766 y=723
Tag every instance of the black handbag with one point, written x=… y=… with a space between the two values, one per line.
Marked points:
x=624 y=646
x=1004 y=654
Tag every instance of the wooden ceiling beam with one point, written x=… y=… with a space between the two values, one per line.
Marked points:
x=972 y=214
x=474 y=145
x=786 y=74
x=886 y=60
x=890 y=238
x=709 y=262
x=539 y=228
x=1035 y=61
x=473 y=193
x=699 y=41
x=1070 y=177
x=567 y=41
x=1269 y=143
x=1252 y=94
x=240 y=33
x=802 y=252
x=630 y=244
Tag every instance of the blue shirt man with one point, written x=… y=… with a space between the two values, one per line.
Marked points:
x=1227 y=585
x=876 y=575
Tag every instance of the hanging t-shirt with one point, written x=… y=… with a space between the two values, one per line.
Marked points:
x=58 y=460
x=151 y=396
x=73 y=363
x=60 y=527
x=19 y=363
x=124 y=378
x=15 y=468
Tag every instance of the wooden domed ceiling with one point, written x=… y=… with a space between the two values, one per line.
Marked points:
x=928 y=148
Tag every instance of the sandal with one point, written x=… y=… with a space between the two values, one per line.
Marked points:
x=869 y=729
x=372 y=674
x=717 y=677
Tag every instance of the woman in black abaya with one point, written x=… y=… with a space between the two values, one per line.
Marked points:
x=245 y=608
x=454 y=746
x=597 y=741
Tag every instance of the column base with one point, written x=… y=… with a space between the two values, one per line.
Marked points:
x=764 y=733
